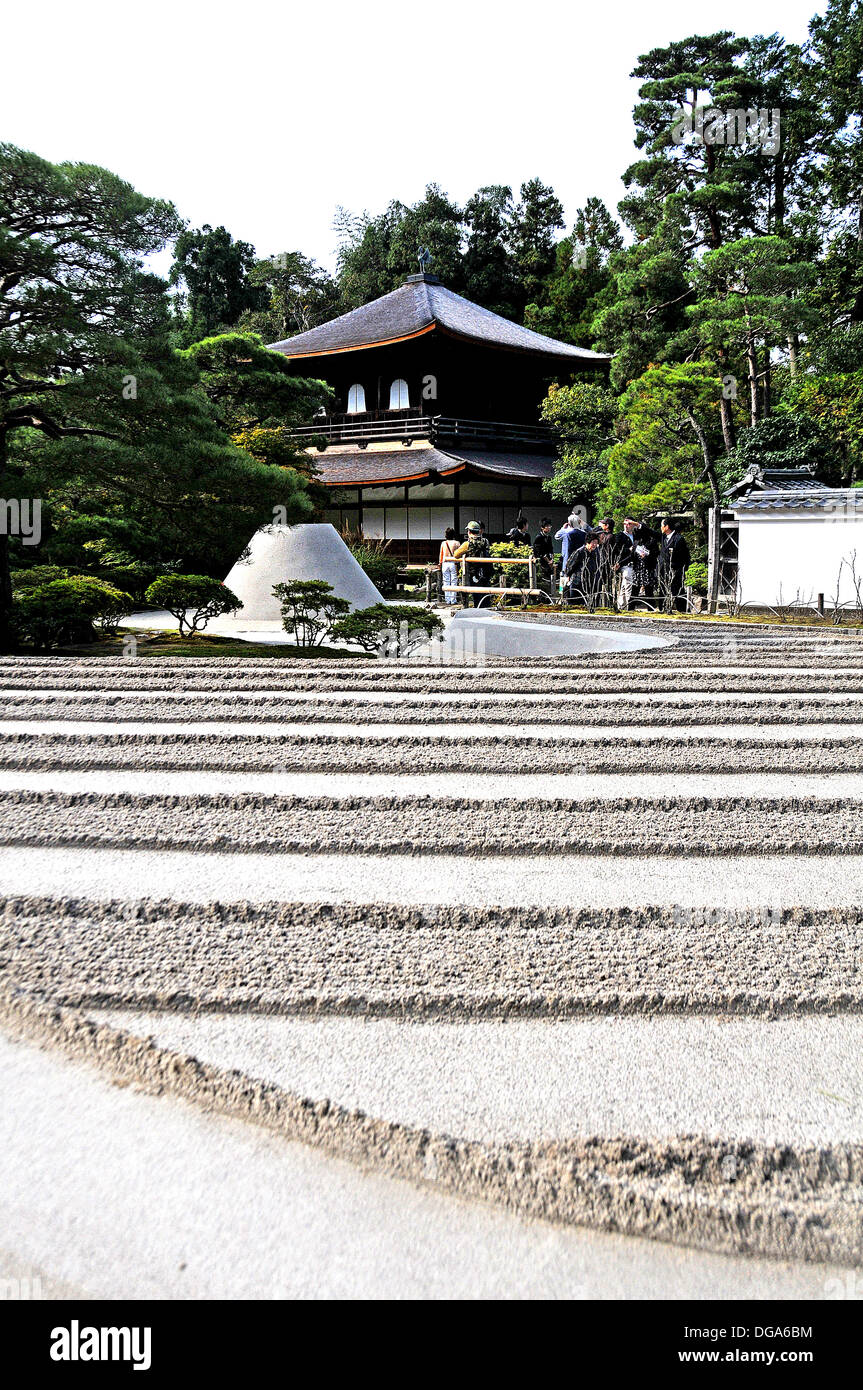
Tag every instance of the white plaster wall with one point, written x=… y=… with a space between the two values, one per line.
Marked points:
x=801 y=554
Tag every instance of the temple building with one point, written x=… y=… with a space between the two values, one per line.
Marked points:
x=435 y=417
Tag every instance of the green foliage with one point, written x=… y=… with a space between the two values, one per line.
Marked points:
x=786 y=440
x=578 y=286
x=832 y=403
x=513 y=576
x=668 y=417
x=390 y=629
x=749 y=301
x=259 y=402
x=196 y=594
x=98 y=416
x=696 y=577
x=250 y=385
x=377 y=253
x=499 y=253
x=37 y=576
x=298 y=295
x=743 y=262
x=381 y=568
x=65 y=610
x=213 y=271
x=490 y=276
x=582 y=417
x=309 y=609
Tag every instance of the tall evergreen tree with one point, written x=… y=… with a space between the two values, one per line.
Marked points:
x=580 y=283
x=213 y=273
x=489 y=273
x=532 y=238
x=300 y=294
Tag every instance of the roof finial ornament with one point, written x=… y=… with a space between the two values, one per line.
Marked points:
x=424 y=258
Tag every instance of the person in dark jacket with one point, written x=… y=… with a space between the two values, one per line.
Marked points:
x=485 y=571
x=614 y=550
x=519 y=534
x=673 y=561
x=583 y=571
x=543 y=549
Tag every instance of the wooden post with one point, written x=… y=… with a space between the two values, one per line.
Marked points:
x=714 y=552
x=531 y=572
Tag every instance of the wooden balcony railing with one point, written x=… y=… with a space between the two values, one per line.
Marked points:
x=439 y=429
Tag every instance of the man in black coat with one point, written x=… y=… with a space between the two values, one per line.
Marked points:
x=543 y=549
x=673 y=562
x=583 y=571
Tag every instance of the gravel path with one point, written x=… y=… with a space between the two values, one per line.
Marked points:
x=150 y=1198
x=582 y=939
x=783 y=1082
x=389 y=825
x=577 y=784
x=448 y=960
x=514 y=881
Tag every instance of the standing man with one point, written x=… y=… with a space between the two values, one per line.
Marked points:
x=617 y=558
x=639 y=570
x=673 y=562
x=543 y=549
x=614 y=548
x=475 y=544
x=486 y=571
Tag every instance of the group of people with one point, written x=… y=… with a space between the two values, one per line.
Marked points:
x=599 y=567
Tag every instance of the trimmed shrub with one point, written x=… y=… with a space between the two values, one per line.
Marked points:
x=391 y=629
x=512 y=576
x=196 y=594
x=65 y=610
x=309 y=609
x=696 y=577
x=37 y=576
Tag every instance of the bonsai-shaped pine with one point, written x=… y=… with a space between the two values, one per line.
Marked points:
x=391 y=629
x=310 y=609
x=193 y=599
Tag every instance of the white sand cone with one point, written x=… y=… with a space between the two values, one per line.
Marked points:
x=278 y=554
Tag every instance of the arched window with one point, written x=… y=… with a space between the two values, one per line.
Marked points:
x=356 y=400
x=399 y=396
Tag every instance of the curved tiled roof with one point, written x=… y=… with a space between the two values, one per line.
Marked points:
x=418 y=306
x=823 y=499
x=360 y=467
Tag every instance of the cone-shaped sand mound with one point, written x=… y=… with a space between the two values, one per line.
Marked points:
x=280 y=553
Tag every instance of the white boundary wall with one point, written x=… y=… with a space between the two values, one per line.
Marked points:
x=793 y=556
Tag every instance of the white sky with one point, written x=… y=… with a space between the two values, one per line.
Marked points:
x=264 y=117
